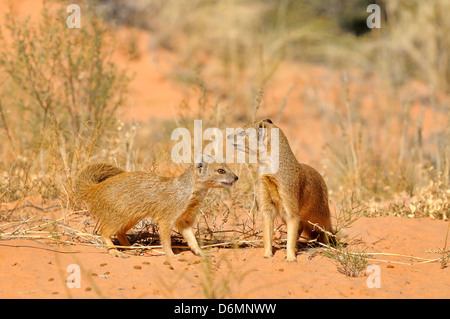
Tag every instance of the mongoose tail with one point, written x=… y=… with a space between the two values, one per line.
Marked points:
x=92 y=175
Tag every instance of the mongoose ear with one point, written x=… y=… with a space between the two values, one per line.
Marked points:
x=199 y=167
x=200 y=164
x=262 y=133
x=263 y=122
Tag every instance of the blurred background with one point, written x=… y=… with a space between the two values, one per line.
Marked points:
x=369 y=108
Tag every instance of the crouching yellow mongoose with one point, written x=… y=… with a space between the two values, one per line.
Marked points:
x=294 y=191
x=120 y=199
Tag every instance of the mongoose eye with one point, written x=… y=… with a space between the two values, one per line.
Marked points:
x=221 y=171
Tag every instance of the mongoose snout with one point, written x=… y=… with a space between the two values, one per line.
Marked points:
x=229 y=181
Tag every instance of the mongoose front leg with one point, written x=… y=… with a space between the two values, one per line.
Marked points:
x=184 y=224
x=293 y=224
x=166 y=240
x=189 y=235
x=269 y=211
x=268 y=234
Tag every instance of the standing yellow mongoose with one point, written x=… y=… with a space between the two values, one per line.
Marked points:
x=120 y=199
x=294 y=191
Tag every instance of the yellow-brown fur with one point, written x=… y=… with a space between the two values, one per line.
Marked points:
x=296 y=192
x=120 y=199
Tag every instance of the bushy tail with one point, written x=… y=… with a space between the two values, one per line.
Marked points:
x=91 y=175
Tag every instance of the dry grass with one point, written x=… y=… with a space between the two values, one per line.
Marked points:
x=59 y=94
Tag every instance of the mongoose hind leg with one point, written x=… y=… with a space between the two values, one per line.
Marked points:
x=122 y=237
x=313 y=234
x=111 y=248
x=303 y=237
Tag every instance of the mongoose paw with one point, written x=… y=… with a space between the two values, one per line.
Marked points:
x=136 y=252
x=291 y=259
x=268 y=255
x=116 y=253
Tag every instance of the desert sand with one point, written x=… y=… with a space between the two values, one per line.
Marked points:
x=33 y=270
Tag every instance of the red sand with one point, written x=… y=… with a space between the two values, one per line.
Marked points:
x=32 y=270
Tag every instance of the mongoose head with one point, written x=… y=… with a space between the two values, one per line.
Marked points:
x=214 y=175
x=261 y=140
x=252 y=136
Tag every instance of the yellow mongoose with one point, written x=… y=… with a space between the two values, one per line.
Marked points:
x=296 y=191
x=120 y=199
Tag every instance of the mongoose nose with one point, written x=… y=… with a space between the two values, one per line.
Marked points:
x=235 y=178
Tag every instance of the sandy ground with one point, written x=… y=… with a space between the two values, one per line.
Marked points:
x=33 y=270
x=29 y=269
